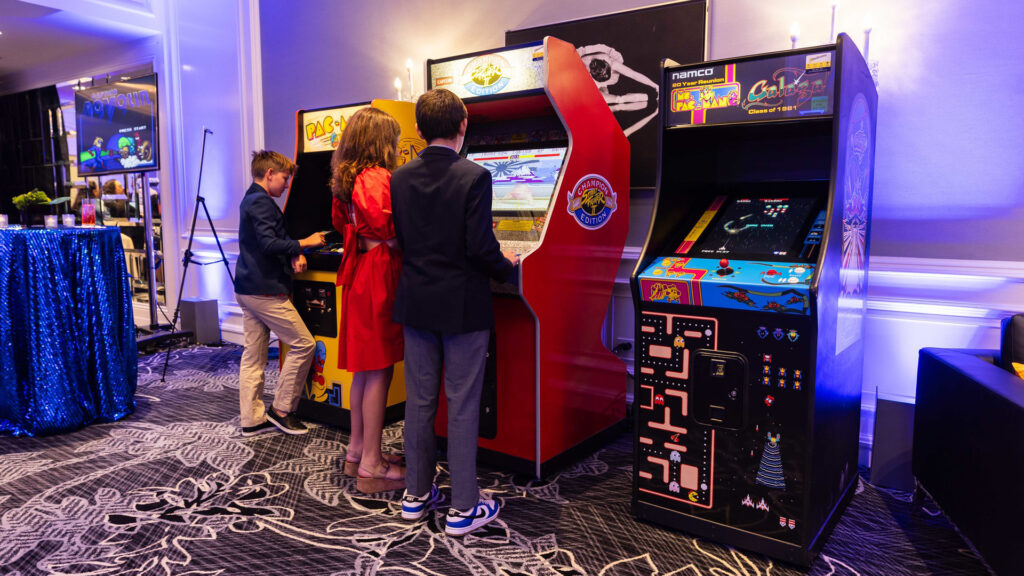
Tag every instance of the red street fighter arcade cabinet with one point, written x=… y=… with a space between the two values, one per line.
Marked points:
x=749 y=297
x=560 y=168
x=325 y=397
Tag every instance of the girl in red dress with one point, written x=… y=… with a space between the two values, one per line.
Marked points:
x=369 y=342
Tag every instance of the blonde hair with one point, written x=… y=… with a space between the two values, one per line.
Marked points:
x=370 y=139
x=264 y=160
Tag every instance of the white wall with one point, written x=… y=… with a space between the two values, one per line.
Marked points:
x=949 y=183
x=212 y=70
x=320 y=53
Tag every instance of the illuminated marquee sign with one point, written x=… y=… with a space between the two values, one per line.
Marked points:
x=321 y=129
x=790 y=86
x=499 y=72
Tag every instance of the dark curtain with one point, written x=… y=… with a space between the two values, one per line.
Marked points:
x=33 y=146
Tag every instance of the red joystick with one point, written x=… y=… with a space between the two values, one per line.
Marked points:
x=723 y=263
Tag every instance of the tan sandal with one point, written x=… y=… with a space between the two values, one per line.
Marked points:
x=352 y=466
x=393 y=478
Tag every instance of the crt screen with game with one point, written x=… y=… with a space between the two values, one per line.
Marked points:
x=523 y=179
x=756 y=227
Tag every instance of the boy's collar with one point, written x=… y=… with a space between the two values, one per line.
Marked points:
x=442 y=146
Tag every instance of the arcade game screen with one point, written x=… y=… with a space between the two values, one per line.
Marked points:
x=117 y=127
x=521 y=179
x=759 y=227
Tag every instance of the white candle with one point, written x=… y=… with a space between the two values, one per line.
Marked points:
x=3 y=220
x=794 y=33
x=398 y=88
x=867 y=36
x=50 y=220
x=68 y=220
x=832 y=31
x=408 y=71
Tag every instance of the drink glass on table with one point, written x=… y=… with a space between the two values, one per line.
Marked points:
x=88 y=212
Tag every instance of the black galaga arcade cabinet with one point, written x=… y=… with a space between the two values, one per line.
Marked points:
x=750 y=299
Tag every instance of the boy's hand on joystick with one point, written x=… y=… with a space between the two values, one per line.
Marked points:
x=511 y=256
x=314 y=240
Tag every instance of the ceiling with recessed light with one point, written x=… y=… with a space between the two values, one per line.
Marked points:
x=40 y=33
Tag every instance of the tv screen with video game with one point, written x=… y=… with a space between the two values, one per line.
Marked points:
x=521 y=179
x=755 y=227
x=117 y=127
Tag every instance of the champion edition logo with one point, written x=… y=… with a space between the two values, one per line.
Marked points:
x=486 y=75
x=592 y=201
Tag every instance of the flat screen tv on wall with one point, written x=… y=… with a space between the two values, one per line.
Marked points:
x=117 y=127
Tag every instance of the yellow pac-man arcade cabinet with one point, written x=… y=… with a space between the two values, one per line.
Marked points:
x=316 y=297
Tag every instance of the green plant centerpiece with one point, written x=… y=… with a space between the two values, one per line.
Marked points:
x=32 y=205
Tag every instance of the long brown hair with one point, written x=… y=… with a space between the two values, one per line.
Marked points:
x=370 y=139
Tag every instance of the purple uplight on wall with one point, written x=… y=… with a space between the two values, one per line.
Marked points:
x=949 y=181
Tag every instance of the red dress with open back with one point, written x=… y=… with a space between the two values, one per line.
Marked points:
x=368 y=339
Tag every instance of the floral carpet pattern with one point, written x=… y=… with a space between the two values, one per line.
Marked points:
x=174 y=489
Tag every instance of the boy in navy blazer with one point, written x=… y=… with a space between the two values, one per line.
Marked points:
x=267 y=257
x=441 y=204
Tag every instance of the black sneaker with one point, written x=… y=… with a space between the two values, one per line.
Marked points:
x=260 y=428
x=288 y=424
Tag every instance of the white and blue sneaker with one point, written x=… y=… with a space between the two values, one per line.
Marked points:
x=414 y=507
x=459 y=523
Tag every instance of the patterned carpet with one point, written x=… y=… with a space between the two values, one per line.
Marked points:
x=174 y=489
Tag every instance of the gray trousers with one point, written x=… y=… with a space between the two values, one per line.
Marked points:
x=461 y=359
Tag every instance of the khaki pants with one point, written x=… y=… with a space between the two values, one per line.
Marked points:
x=260 y=315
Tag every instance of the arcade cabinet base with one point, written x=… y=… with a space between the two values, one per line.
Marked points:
x=737 y=538
x=529 y=467
x=341 y=417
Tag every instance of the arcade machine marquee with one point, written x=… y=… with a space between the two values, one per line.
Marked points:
x=749 y=298
x=559 y=165
x=325 y=397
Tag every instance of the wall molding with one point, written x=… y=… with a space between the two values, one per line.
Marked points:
x=965 y=289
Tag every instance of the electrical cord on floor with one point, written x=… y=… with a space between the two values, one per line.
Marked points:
x=622 y=347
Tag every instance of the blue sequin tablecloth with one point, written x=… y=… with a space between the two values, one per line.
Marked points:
x=68 y=355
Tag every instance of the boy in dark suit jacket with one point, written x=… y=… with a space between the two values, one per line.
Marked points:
x=441 y=204
x=267 y=257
